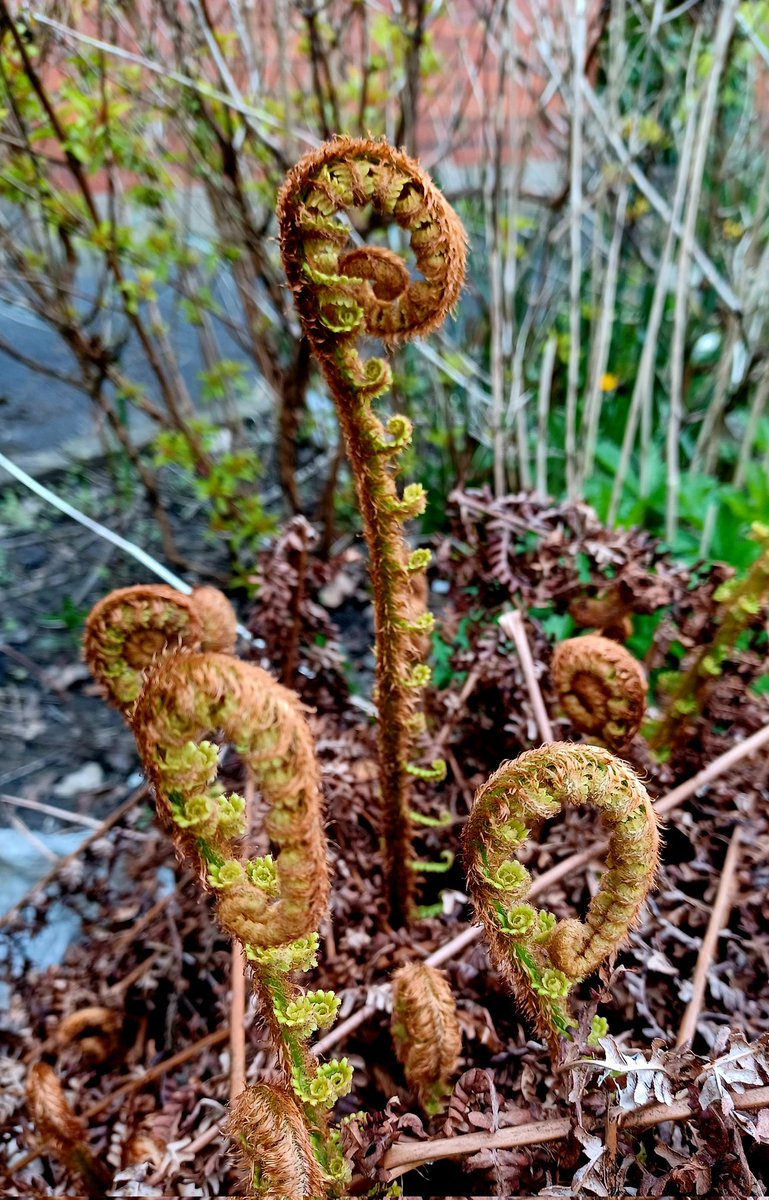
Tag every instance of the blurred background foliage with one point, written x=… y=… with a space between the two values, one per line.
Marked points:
x=608 y=161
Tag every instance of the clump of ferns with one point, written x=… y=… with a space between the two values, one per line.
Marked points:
x=542 y=958
x=741 y=602
x=342 y=295
x=272 y=904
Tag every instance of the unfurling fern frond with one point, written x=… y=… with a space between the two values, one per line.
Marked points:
x=543 y=958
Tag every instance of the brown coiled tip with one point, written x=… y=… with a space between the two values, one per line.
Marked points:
x=602 y=688
x=132 y=628
x=94 y=1030
x=350 y=172
x=192 y=697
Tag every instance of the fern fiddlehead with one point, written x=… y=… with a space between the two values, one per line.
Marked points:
x=541 y=958
x=426 y=1031
x=188 y=698
x=273 y=906
x=131 y=628
x=602 y=688
x=341 y=296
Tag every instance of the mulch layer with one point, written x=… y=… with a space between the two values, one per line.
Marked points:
x=147 y=1069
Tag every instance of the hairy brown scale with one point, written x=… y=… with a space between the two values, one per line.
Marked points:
x=541 y=958
x=602 y=688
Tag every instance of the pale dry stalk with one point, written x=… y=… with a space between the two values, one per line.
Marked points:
x=512 y=625
x=543 y=411
x=720 y=285
x=643 y=388
x=719 y=918
x=592 y=416
x=239 y=967
x=720 y=52
x=408 y=1155
x=578 y=54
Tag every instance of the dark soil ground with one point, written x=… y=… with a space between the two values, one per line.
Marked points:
x=149 y=1076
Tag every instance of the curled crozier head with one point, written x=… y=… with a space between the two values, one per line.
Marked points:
x=543 y=958
x=131 y=629
x=602 y=688
x=189 y=703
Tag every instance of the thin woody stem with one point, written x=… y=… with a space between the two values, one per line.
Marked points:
x=718 y=920
x=407 y=1155
x=238 y=970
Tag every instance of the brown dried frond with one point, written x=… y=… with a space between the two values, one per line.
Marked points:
x=426 y=1031
x=269 y=1129
x=61 y=1132
x=601 y=686
x=143 y=1146
x=94 y=1029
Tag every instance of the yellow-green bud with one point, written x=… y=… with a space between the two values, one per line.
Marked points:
x=520 y=920
x=227 y=875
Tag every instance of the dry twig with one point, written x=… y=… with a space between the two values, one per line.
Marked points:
x=512 y=625
x=718 y=921
x=407 y=1155
x=238 y=973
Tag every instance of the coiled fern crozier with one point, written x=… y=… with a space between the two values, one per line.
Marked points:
x=186 y=699
x=542 y=958
x=602 y=688
x=343 y=295
x=130 y=629
x=271 y=905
